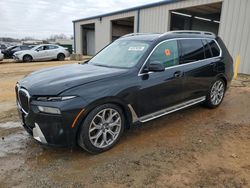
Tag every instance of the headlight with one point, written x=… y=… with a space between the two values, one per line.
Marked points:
x=62 y=98
x=49 y=110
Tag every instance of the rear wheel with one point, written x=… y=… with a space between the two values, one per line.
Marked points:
x=27 y=58
x=102 y=128
x=61 y=57
x=216 y=94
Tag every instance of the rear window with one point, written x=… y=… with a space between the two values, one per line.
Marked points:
x=25 y=47
x=214 y=48
x=191 y=50
x=16 y=48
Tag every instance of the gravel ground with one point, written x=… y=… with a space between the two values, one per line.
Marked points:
x=196 y=147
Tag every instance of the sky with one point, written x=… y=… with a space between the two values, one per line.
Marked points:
x=42 y=18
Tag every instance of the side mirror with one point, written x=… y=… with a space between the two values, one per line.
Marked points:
x=155 y=66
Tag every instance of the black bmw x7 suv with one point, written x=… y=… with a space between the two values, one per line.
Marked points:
x=137 y=78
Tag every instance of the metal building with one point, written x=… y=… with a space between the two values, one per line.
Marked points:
x=230 y=19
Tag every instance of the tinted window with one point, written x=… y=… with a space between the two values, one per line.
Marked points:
x=208 y=53
x=166 y=53
x=214 y=47
x=191 y=50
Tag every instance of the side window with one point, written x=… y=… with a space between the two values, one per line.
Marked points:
x=166 y=53
x=40 y=48
x=191 y=50
x=208 y=53
x=51 y=47
x=214 y=47
x=46 y=48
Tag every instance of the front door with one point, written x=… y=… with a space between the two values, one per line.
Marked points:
x=160 y=90
x=40 y=53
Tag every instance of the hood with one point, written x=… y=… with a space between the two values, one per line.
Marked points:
x=53 y=81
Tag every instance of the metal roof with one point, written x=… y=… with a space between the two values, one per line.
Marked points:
x=129 y=9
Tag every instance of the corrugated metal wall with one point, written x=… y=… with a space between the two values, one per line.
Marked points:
x=157 y=19
x=102 y=30
x=234 y=28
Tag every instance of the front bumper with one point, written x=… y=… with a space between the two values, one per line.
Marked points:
x=16 y=58
x=51 y=129
x=38 y=134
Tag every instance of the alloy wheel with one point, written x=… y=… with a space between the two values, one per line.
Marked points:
x=105 y=128
x=217 y=92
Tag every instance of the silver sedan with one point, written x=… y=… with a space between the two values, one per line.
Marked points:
x=41 y=53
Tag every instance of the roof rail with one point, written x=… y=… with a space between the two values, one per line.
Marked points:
x=133 y=34
x=194 y=32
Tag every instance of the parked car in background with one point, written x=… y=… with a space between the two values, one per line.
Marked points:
x=137 y=78
x=1 y=55
x=8 y=53
x=42 y=52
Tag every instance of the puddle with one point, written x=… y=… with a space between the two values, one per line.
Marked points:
x=13 y=144
x=12 y=139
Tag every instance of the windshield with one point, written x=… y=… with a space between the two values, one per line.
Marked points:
x=120 y=54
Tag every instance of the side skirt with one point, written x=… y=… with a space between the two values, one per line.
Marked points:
x=165 y=111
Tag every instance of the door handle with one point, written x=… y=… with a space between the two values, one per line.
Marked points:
x=177 y=74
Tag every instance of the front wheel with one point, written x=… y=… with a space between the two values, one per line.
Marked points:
x=215 y=94
x=27 y=58
x=102 y=128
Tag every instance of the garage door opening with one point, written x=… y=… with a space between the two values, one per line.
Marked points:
x=88 y=39
x=122 y=27
x=203 y=18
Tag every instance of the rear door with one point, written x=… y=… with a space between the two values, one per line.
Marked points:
x=160 y=90
x=199 y=67
x=53 y=51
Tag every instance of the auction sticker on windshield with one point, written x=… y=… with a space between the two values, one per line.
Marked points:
x=136 y=48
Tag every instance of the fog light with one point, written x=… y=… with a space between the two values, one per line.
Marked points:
x=49 y=110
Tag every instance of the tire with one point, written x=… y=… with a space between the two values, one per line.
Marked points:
x=27 y=58
x=60 y=57
x=97 y=126
x=216 y=94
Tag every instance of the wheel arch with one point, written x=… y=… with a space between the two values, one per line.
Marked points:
x=106 y=100
x=223 y=77
x=28 y=55
x=61 y=53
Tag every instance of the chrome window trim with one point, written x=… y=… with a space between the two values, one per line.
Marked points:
x=140 y=74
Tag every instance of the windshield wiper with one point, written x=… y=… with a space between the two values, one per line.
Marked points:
x=101 y=65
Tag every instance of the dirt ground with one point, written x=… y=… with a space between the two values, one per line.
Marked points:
x=197 y=147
